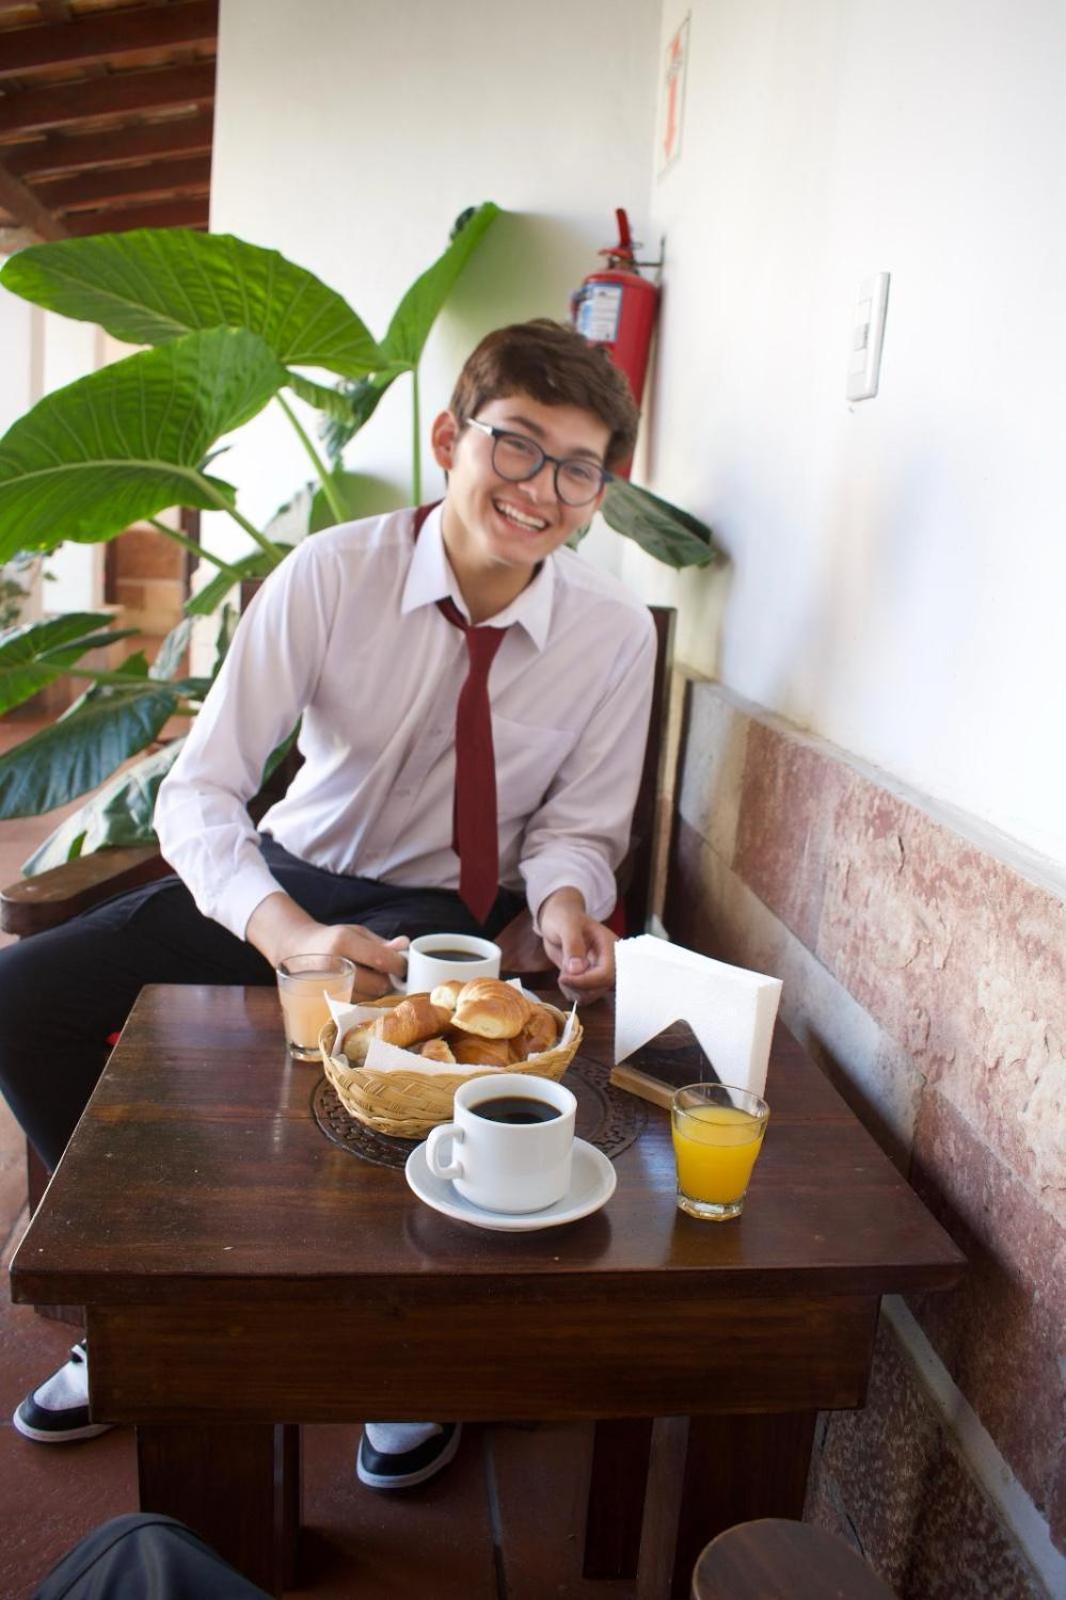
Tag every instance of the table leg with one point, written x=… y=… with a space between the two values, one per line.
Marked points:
x=662 y=1507
x=238 y=1487
x=617 y=1480
x=709 y=1473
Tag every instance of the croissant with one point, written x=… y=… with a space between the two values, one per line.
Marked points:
x=437 y=1050
x=446 y=994
x=471 y=1051
x=539 y=1033
x=413 y=1020
x=492 y=1009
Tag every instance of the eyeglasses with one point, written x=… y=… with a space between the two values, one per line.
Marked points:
x=517 y=458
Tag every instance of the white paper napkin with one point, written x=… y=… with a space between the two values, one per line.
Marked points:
x=729 y=1009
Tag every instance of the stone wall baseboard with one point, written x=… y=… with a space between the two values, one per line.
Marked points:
x=926 y=972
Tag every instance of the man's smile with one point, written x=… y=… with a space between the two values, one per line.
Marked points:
x=521 y=519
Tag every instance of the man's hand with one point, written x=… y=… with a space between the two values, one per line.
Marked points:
x=279 y=928
x=581 y=947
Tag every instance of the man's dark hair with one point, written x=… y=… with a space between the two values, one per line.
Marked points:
x=553 y=364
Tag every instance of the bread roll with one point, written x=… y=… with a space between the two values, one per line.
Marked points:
x=356 y=1042
x=446 y=994
x=491 y=1009
x=541 y=1032
x=413 y=1020
x=471 y=1051
x=437 y=1050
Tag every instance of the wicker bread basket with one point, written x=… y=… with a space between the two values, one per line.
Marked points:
x=408 y=1104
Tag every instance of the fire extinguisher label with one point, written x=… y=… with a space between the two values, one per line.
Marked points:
x=598 y=312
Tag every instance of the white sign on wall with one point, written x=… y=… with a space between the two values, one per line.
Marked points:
x=672 y=113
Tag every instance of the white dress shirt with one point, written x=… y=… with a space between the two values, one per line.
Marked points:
x=346 y=635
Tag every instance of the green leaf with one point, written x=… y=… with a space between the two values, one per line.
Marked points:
x=333 y=401
x=152 y=285
x=361 y=495
x=278 y=754
x=35 y=654
x=121 y=814
x=191 y=688
x=363 y=398
x=83 y=748
x=124 y=443
x=418 y=310
x=171 y=652
x=134 y=666
x=227 y=625
x=256 y=565
x=663 y=530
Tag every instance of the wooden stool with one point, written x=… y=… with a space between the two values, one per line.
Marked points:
x=779 y=1560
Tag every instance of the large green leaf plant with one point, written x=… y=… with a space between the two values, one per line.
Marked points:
x=230 y=327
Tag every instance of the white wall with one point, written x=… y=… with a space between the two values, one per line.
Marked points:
x=351 y=136
x=40 y=352
x=71 y=350
x=899 y=566
x=16 y=358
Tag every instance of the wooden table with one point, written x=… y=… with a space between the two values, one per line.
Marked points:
x=241 y=1274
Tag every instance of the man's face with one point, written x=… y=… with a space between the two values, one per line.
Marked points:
x=491 y=522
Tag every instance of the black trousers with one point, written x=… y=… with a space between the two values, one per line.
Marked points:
x=63 y=992
x=144 y=1557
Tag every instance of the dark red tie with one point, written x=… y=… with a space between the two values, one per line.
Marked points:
x=474 y=831
x=475 y=838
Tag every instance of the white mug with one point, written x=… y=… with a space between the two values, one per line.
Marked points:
x=507 y=1165
x=468 y=957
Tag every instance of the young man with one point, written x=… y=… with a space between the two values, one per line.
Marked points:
x=382 y=638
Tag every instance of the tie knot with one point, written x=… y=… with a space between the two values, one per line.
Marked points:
x=482 y=645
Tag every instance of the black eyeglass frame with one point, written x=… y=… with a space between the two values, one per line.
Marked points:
x=496 y=434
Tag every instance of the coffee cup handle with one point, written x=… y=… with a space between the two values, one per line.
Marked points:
x=399 y=985
x=434 y=1161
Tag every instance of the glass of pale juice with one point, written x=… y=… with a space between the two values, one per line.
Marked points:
x=718 y=1132
x=303 y=984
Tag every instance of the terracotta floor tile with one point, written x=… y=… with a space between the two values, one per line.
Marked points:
x=50 y=1495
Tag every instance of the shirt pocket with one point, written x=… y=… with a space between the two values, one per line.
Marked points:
x=527 y=759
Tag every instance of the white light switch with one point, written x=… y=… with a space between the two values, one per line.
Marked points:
x=868 y=332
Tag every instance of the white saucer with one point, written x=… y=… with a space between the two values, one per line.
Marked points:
x=592 y=1182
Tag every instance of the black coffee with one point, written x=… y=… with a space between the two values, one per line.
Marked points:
x=452 y=955
x=516 y=1109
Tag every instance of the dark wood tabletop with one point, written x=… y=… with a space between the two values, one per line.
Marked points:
x=238 y=1268
x=198 y=1160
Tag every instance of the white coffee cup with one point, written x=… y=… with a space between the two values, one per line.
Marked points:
x=507 y=1165
x=467 y=957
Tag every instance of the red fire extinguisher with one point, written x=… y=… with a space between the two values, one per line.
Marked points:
x=615 y=307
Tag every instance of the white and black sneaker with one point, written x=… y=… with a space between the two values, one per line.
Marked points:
x=418 y=1451
x=57 y=1411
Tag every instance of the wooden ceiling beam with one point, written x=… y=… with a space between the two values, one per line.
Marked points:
x=184 y=136
x=108 y=37
x=162 y=214
x=124 y=183
x=27 y=210
x=119 y=94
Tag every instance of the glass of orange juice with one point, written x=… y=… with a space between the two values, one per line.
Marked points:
x=718 y=1132
x=303 y=984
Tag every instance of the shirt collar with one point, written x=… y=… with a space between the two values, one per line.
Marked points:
x=430 y=578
